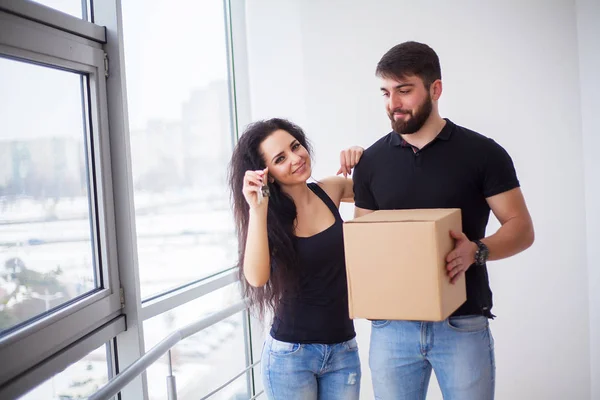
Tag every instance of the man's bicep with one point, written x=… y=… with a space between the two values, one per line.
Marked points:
x=508 y=205
x=359 y=212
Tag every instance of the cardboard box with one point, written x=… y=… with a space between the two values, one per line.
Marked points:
x=396 y=265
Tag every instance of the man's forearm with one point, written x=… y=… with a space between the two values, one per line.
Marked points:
x=514 y=236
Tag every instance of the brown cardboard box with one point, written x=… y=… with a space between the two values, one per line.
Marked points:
x=395 y=261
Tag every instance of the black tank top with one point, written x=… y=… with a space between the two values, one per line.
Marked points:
x=318 y=311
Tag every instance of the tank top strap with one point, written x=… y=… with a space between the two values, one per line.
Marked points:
x=326 y=199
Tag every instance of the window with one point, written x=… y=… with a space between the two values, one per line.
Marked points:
x=206 y=360
x=46 y=251
x=78 y=381
x=76 y=8
x=58 y=266
x=181 y=140
x=64 y=177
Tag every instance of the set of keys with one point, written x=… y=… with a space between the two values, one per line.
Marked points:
x=264 y=190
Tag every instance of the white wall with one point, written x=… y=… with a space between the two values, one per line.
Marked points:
x=511 y=72
x=588 y=18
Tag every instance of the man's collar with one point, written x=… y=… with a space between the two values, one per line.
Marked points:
x=444 y=134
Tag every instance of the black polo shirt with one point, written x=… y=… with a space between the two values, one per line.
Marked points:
x=460 y=168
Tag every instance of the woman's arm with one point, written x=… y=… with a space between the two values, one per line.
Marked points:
x=257 y=260
x=338 y=188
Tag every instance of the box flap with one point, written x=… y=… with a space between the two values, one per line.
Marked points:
x=432 y=214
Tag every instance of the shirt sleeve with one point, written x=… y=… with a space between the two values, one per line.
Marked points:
x=363 y=195
x=499 y=171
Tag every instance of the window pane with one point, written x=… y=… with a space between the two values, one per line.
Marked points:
x=205 y=360
x=76 y=8
x=46 y=253
x=78 y=381
x=181 y=138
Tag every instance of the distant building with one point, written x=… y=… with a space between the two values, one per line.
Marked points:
x=207 y=134
x=189 y=153
x=43 y=167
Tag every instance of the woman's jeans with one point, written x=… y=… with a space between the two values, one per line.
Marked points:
x=293 y=371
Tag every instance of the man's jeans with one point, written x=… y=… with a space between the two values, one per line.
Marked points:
x=293 y=371
x=460 y=350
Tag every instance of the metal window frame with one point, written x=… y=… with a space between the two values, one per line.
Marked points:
x=61 y=360
x=129 y=345
x=117 y=165
x=235 y=13
x=103 y=42
x=55 y=19
x=239 y=66
x=42 y=338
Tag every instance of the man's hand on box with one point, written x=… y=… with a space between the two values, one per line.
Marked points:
x=462 y=257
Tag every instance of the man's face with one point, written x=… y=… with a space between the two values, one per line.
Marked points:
x=407 y=102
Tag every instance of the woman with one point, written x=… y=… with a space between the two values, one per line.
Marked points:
x=292 y=262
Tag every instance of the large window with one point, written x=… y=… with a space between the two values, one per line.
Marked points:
x=46 y=251
x=59 y=284
x=181 y=140
x=117 y=124
x=78 y=381
x=205 y=360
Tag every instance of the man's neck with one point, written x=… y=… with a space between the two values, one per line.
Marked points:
x=433 y=126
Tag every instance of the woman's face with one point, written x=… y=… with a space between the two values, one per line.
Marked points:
x=288 y=161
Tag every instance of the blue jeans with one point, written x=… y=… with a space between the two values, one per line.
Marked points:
x=293 y=371
x=460 y=350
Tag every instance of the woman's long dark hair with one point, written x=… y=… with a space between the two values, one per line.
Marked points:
x=281 y=215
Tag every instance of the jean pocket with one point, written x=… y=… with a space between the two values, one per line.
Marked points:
x=283 y=348
x=351 y=345
x=467 y=324
x=380 y=323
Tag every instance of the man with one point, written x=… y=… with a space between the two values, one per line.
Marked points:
x=430 y=162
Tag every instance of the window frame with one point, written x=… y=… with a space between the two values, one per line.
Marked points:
x=42 y=338
x=63 y=359
x=54 y=18
x=45 y=346
x=130 y=344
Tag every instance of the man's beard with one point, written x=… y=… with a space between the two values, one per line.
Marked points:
x=416 y=120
